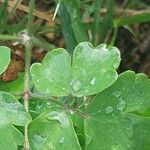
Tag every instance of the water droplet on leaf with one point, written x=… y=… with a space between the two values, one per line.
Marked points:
x=64 y=89
x=61 y=141
x=92 y=82
x=121 y=105
x=75 y=67
x=60 y=116
x=48 y=103
x=71 y=112
x=38 y=140
x=76 y=85
x=109 y=110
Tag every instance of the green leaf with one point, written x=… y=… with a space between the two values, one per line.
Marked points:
x=66 y=28
x=107 y=20
x=78 y=123
x=78 y=28
x=4 y=58
x=53 y=75
x=41 y=105
x=112 y=120
x=10 y=137
x=93 y=70
x=129 y=20
x=96 y=22
x=11 y=113
x=53 y=130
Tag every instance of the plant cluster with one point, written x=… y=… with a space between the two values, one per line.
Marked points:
x=73 y=101
x=65 y=115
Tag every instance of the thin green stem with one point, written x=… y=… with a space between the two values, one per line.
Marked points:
x=43 y=44
x=30 y=16
x=97 y=25
x=79 y=113
x=26 y=37
x=114 y=36
x=60 y=103
x=26 y=97
x=7 y=37
x=45 y=97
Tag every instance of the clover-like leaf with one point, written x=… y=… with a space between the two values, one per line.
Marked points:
x=53 y=130
x=113 y=120
x=93 y=70
x=4 y=58
x=53 y=75
x=11 y=113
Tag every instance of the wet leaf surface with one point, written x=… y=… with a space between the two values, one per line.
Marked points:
x=53 y=130
x=11 y=113
x=113 y=118
x=93 y=70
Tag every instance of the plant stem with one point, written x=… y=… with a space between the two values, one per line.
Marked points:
x=44 y=97
x=60 y=103
x=114 y=36
x=26 y=96
x=30 y=16
x=28 y=47
x=8 y=37
x=43 y=44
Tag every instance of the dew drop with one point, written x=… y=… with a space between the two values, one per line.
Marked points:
x=76 y=85
x=121 y=105
x=92 y=82
x=71 y=112
x=38 y=138
x=48 y=104
x=61 y=140
x=64 y=89
x=109 y=110
x=75 y=67
x=38 y=141
x=60 y=116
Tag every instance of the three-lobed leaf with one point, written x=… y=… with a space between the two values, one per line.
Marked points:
x=113 y=120
x=4 y=58
x=92 y=70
